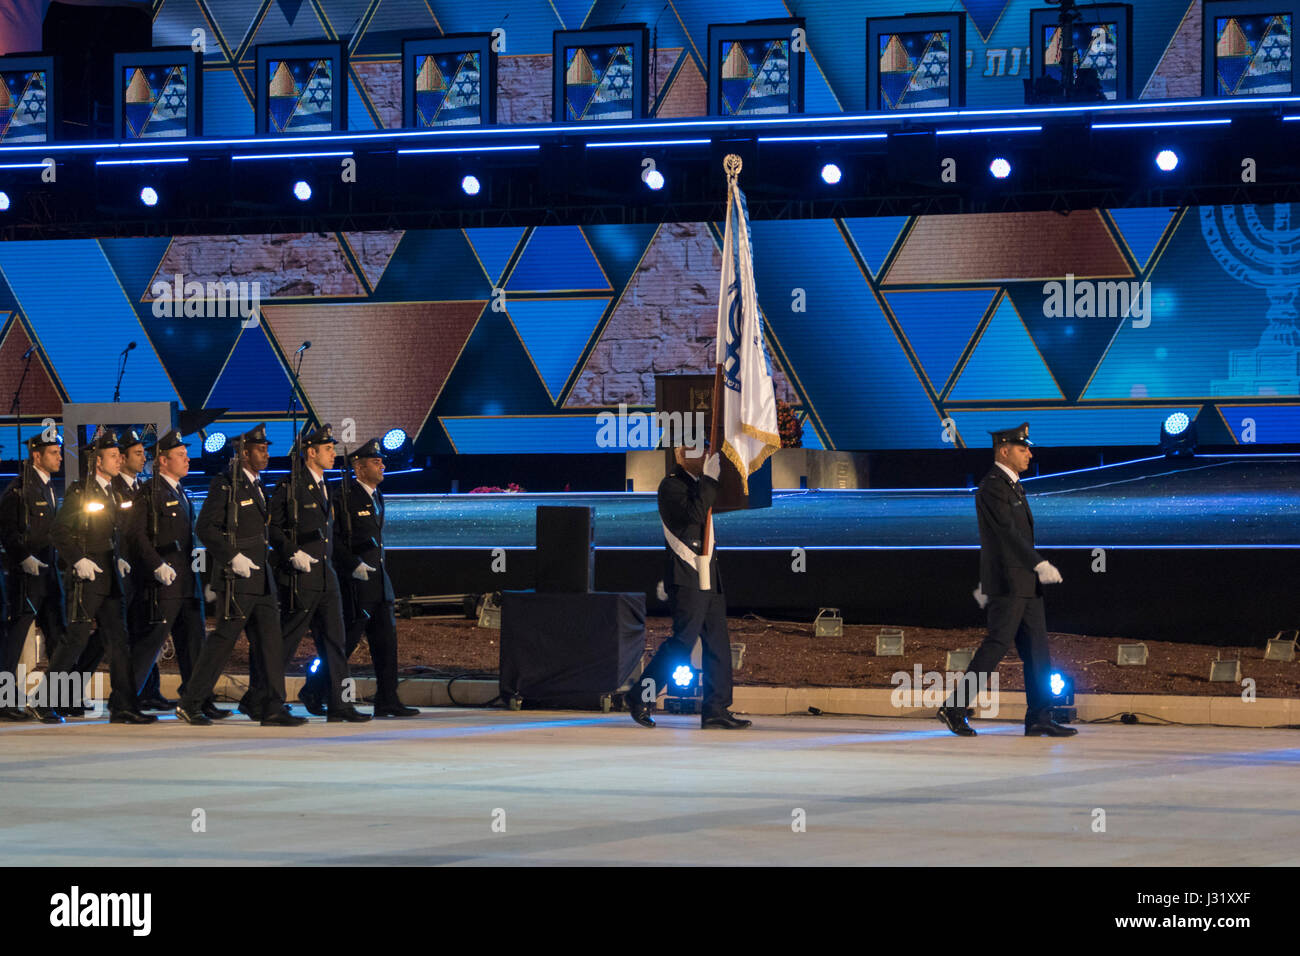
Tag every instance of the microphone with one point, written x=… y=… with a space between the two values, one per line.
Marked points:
x=129 y=347
x=302 y=348
x=28 y=353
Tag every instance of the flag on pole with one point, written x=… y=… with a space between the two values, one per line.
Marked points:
x=748 y=409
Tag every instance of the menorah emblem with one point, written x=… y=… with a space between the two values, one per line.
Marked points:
x=1267 y=257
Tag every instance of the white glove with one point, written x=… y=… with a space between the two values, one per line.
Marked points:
x=713 y=466
x=87 y=569
x=165 y=574
x=1047 y=573
x=31 y=565
x=123 y=567
x=243 y=566
x=302 y=561
x=209 y=595
x=362 y=571
x=980 y=597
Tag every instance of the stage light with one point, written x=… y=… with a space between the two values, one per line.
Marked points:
x=4 y=202
x=1167 y=160
x=315 y=665
x=654 y=179
x=393 y=439
x=1000 y=168
x=1061 y=687
x=149 y=196
x=471 y=185
x=214 y=443
x=302 y=189
x=1178 y=436
x=683 y=676
x=831 y=174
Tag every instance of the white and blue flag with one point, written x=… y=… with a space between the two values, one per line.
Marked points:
x=748 y=408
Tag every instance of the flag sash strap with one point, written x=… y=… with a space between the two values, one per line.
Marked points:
x=700 y=562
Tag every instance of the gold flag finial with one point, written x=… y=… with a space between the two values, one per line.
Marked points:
x=731 y=166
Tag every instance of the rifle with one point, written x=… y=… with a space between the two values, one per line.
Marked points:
x=345 y=470
x=291 y=531
x=152 y=530
x=78 y=613
x=232 y=521
x=24 y=523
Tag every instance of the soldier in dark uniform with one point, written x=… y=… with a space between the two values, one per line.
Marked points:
x=241 y=579
x=367 y=590
x=27 y=510
x=1012 y=575
x=302 y=535
x=168 y=593
x=127 y=486
x=699 y=607
x=93 y=533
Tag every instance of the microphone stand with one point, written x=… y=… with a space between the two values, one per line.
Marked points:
x=15 y=406
x=121 y=370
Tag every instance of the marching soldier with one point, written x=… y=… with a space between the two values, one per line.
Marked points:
x=127 y=485
x=302 y=534
x=699 y=607
x=241 y=577
x=27 y=510
x=168 y=593
x=92 y=532
x=367 y=590
x=1012 y=575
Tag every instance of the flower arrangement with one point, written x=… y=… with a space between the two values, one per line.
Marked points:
x=788 y=425
x=510 y=489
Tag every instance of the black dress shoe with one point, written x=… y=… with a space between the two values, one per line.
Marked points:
x=46 y=715
x=283 y=718
x=638 y=708
x=131 y=717
x=213 y=712
x=248 y=711
x=312 y=702
x=723 y=721
x=954 y=718
x=198 y=720
x=156 y=703
x=1049 y=728
x=397 y=710
x=348 y=714
x=16 y=714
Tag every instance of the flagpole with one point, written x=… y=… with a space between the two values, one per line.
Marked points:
x=731 y=165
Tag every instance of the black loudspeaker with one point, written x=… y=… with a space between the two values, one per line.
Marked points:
x=566 y=549
x=563 y=651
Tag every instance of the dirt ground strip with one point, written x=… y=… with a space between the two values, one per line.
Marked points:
x=786 y=654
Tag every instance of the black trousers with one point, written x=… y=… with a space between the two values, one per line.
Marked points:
x=261 y=623
x=321 y=612
x=104 y=615
x=377 y=621
x=43 y=606
x=701 y=614
x=1021 y=621
x=180 y=617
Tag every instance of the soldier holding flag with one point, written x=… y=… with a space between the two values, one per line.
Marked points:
x=744 y=400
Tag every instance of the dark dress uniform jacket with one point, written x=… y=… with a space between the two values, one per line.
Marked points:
x=173 y=544
x=684 y=504
x=315 y=527
x=250 y=535
x=365 y=544
x=108 y=534
x=1007 y=555
x=34 y=539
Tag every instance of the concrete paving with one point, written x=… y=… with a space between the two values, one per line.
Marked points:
x=494 y=787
